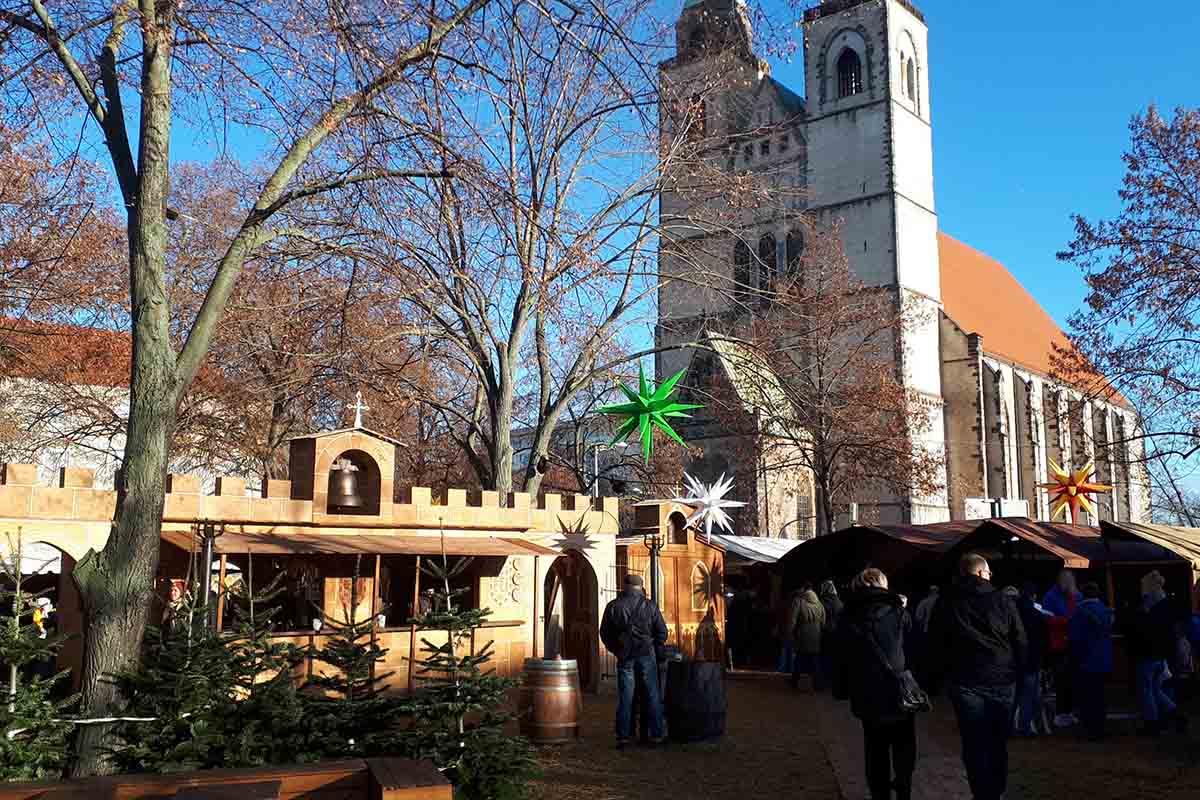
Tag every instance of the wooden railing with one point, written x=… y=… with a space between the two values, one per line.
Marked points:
x=370 y=779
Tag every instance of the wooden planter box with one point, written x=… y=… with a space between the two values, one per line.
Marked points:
x=370 y=779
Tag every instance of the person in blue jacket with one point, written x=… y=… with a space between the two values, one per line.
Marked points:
x=1090 y=632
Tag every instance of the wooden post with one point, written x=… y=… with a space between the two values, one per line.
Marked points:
x=375 y=608
x=412 y=628
x=221 y=596
x=537 y=626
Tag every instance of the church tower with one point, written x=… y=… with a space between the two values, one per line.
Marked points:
x=870 y=169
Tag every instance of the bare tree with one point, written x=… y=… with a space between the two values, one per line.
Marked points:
x=538 y=271
x=811 y=385
x=306 y=79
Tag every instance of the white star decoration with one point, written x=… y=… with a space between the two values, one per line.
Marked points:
x=709 y=502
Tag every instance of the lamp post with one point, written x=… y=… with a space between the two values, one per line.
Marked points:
x=654 y=543
x=209 y=531
x=596 y=448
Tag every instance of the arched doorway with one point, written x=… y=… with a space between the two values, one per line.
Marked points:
x=572 y=612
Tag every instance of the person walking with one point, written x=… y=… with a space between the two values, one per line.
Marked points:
x=1152 y=644
x=869 y=653
x=833 y=611
x=1090 y=634
x=1028 y=708
x=1061 y=601
x=809 y=622
x=633 y=629
x=786 y=624
x=977 y=646
x=924 y=610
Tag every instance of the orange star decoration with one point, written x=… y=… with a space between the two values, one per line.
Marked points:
x=1070 y=490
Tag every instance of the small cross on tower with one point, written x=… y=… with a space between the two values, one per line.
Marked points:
x=359 y=407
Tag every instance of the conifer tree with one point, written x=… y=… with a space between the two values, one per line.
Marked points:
x=202 y=698
x=34 y=727
x=458 y=713
x=347 y=707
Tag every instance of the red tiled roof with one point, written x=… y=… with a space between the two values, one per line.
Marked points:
x=983 y=297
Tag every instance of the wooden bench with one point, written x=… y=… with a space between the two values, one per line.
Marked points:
x=372 y=779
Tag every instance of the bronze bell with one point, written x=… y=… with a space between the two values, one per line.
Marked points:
x=343 y=486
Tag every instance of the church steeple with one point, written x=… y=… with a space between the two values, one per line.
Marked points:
x=706 y=27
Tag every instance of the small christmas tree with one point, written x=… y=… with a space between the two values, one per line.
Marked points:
x=203 y=698
x=457 y=714
x=34 y=727
x=347 y=708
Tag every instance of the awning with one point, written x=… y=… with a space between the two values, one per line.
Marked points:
x=366 y=544
x=1183 y=542
x=755 y=548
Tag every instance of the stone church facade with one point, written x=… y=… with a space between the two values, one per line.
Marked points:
x=858 y=149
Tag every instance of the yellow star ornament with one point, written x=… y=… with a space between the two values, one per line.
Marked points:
x=1070 y=490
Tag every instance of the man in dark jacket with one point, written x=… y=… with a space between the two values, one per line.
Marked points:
x=633 y=630
x=871 y=632
x=978 y=645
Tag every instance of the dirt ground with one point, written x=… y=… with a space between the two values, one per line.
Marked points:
x=772 y=748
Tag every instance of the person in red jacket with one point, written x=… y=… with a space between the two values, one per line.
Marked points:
x=1061 y=601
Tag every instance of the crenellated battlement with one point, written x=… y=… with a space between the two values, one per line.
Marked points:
x=25 y=503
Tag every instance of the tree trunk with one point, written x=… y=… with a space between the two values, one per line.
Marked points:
x=116 y=585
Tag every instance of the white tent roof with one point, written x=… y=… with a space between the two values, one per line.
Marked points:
x=755 y=548
x=37 y=558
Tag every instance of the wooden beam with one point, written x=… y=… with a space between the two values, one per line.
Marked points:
x=412 y=628
x=221 y=594
x=537 y=626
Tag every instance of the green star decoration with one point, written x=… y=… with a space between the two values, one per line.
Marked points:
x=648 y=409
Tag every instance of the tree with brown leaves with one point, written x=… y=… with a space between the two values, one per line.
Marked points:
x=1140 y=328
x=310 y=81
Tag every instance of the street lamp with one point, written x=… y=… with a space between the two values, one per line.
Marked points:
x=596 y=448
x=209 y=531
x=654 y=543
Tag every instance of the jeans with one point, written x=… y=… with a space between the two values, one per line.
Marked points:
x=889 y=746
x=1064 y=690
x=984 y=716
x=1028 y=708
x=787 y=656
x=1090 y=701
x=1156 y=703
x=631 y=673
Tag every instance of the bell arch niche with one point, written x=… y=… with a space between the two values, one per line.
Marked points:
x=354 y=485
x=312 y=463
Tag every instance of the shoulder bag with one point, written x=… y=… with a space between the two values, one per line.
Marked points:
x=910 y=696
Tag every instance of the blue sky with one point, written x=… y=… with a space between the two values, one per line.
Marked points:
x=1031 y=104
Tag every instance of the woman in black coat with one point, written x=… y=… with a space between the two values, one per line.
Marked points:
x=873 y=628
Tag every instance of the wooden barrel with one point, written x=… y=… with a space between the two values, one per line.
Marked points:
x=696 y=705
x=550 y=700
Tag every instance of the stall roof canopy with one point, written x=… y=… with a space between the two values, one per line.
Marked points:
x=755 y=548
x=1183 y=542
x=368 y=544
x=1079 y=546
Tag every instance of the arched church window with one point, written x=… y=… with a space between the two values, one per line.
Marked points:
x=910 y=79
x=741 y=271
x=768 y=269
x=795 y=249
x=849 y=69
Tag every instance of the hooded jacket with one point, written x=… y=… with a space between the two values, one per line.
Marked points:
x=976 y=637
x=809 y=621
x=860 y=675
x=833 y=605
x=633 y=626
x=1090 y=631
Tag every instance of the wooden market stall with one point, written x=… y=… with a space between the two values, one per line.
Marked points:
x=344 y=538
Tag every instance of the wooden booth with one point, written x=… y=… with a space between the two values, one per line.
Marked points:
x=360 y=558
x=691 y=576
